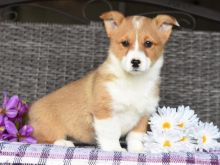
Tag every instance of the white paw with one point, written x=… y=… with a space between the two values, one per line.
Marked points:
x=136 y=146
x=134 y=142
x=62 y=142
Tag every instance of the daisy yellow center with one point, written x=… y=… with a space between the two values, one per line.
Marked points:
x=167 y=143
x=183 y=139
x=181 y=125
x=2 y=111
x=1 y=128
x=166 y=125
x=204 y=139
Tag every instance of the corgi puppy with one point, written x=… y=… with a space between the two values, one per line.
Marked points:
x=117 y=98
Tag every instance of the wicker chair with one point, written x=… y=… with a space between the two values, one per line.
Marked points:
x=39 y=58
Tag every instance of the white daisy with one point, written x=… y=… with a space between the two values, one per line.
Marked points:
x=157 y=142
x=188 y=143
x=207 y=135
x=187 y=118
x=175 y=130
x=164 y=120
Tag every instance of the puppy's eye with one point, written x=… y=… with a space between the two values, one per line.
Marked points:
x=148 y=44
x=125 y=43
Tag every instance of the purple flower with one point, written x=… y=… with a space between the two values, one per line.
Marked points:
x=2 y=125
x=21 y=135
x=21 y=117
x=9 y=106
x=12 y=118
x=2 y=128
x=22 y=108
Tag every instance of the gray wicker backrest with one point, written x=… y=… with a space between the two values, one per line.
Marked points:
x=39 y=58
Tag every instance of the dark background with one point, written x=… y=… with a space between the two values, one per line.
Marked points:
x=83 y=11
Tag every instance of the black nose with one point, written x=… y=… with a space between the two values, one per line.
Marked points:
x=135 y=63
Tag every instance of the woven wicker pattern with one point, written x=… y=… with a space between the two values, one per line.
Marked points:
x=36 y=59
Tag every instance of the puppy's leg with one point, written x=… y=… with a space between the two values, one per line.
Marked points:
x=135 y=137
x=107 y=128
x=108 y=133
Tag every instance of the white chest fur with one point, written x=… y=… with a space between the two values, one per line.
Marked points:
x=133 y=95
x=132 y=99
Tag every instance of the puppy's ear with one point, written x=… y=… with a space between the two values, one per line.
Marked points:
x=164 y=24
x=112 y=20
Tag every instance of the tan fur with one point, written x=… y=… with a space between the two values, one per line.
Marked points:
x=164 y=19
x=112 y=17
x=69 y=111
x=65 y=112
x=101 y=98
x=141 y=126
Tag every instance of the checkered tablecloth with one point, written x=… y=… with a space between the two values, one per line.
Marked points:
x=19 y=153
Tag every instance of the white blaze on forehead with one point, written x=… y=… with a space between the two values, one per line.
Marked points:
x=137 y=22
x=136 y=46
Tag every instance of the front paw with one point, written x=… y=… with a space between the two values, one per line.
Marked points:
x=135 y=146
x=134 y=142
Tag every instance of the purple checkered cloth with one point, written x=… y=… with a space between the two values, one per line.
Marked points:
x=20 y=153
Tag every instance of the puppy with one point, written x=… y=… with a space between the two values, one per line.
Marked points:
x=115 y=99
